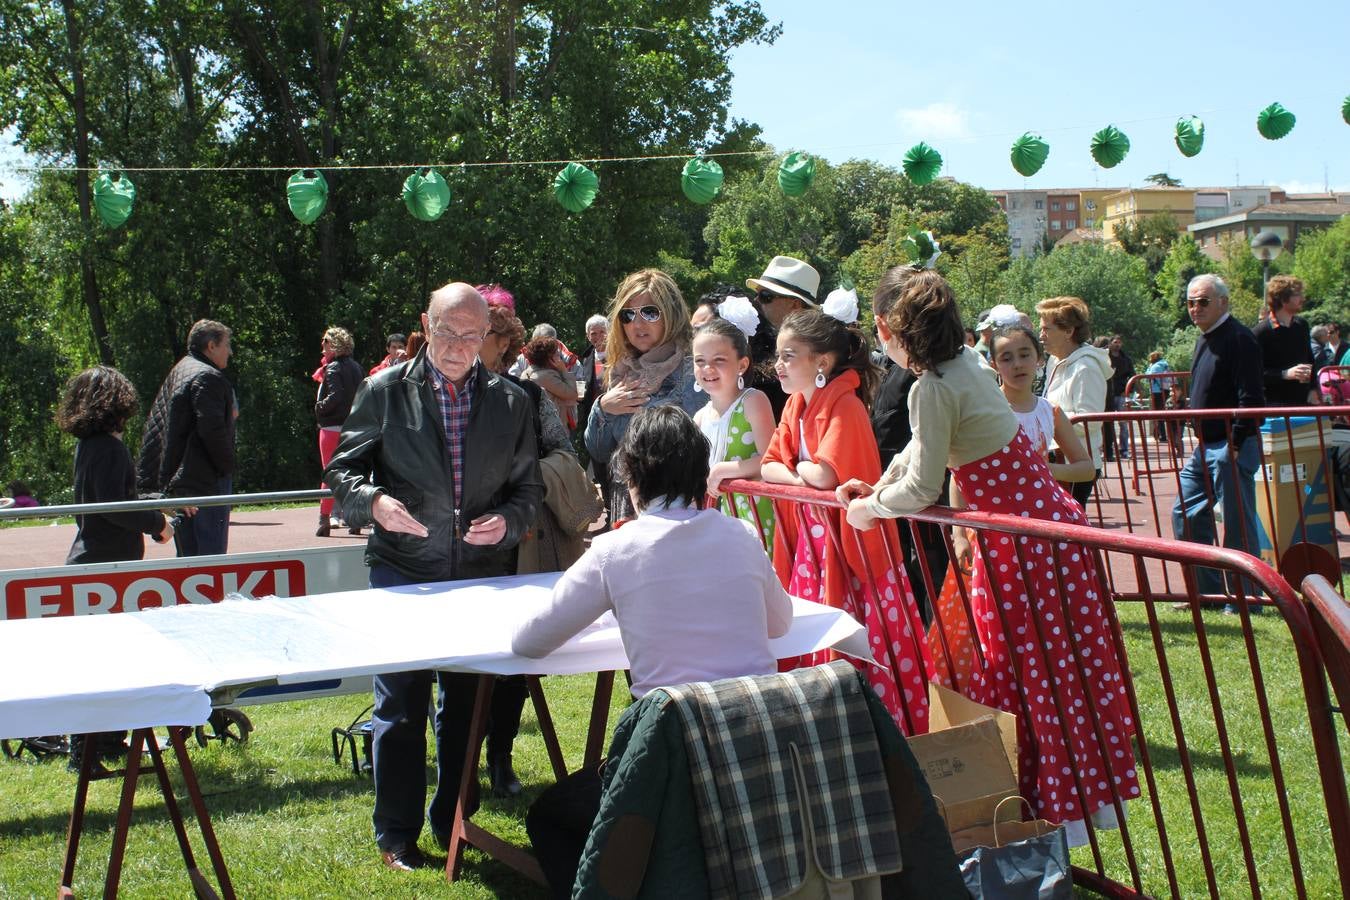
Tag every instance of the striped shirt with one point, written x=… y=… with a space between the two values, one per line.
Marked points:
x=454 y=406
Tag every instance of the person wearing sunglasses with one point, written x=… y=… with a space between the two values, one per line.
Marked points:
x=647 y=364
x=786 y=286
x=1226 y=372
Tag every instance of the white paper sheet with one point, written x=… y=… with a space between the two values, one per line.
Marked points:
x=160 y=666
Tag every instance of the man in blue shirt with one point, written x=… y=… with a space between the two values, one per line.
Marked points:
x=1226 y=373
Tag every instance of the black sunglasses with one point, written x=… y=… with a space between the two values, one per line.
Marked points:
x=1201 y=302
x=650 y=313
x=764 y=296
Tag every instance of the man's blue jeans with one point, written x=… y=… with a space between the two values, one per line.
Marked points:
x=1234 y=489
x=208 y=532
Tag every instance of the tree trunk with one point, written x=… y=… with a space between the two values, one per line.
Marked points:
x=88 y=281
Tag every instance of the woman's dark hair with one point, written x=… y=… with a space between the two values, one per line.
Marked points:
x=826 y=334
x=763 y=343
x=539 y=352
x=18 y=488
x=924 y=318
x=723 y=328
x=96 y=401
x=1008 y=331
x=663 y=454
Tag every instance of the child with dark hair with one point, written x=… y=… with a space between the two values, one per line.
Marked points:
x=653 y=574
x=962 y=420
x=824 y=439
x=95 y=408
x=22 y=495
x=762 y=341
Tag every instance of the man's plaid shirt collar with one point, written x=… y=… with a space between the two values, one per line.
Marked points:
x=454 y=406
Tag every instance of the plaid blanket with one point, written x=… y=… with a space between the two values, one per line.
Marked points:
x=758 y=746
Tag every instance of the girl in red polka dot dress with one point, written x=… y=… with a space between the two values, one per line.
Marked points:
x=823 y=439
x=1061 y=663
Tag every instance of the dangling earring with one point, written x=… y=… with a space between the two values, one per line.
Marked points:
x=820 y=378
x=740 y=382
x=698 y=388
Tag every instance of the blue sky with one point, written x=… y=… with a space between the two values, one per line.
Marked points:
x=867 y=79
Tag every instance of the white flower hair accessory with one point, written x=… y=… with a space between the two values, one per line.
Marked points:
x=1005 y=315
x=842 y=304
x=739 y=311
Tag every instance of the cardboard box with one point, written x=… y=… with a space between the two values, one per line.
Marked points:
x=1290 y=480
x=969 y=757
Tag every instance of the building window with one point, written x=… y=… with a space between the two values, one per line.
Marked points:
x=1089 y=222
x=1040 y=204
x=1054 y=206
x=1017 y=243
x=1070 y=224
x=1014 y=204
x=1091 y=204
x=1070 y=206
x=1054 y=224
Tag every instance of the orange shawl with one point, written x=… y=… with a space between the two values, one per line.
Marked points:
x=838 y=432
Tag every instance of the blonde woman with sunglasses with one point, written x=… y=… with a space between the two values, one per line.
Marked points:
x=648 y=365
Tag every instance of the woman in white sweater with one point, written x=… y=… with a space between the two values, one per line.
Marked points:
x=1075 y=374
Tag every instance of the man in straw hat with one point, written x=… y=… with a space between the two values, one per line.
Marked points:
x=786 y=286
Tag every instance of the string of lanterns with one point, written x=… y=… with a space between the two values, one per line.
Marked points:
x=426 y=194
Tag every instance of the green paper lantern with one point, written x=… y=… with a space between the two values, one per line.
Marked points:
x=1029 y=153
x=1109 y=146
x=921 y=163
x=1190 y=135
x=1345 y=110
x=307 y=195
x=796 y=173
x=575 y=187
x=426 y=195
x=1274 y=122
x=114 y=195
x=701 y=180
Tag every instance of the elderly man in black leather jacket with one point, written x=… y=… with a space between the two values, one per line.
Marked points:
x=440 y=455
x=187 y=448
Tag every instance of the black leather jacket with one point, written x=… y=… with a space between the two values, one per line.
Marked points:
x=341 y=378
x=188 y=442
x=393 y=442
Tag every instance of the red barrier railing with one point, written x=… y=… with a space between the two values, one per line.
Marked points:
x=1331 y=621
x=1295 y=495
x=1243 y=785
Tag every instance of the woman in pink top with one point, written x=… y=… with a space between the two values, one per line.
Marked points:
x=677 y=623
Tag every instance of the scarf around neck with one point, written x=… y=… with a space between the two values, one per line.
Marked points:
x=649 y=370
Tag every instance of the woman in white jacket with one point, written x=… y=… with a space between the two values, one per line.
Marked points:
x=1076 y=372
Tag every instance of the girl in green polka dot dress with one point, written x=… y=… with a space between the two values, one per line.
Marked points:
x=738 y=421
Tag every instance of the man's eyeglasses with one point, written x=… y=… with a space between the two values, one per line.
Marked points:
x=449 y=337
x=1193 y=302
x=649 y=313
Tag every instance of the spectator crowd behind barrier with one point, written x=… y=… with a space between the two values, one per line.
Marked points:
x=1194 y=801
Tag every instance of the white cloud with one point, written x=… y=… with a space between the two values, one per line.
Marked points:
x=936 y=121
x=1294 y=186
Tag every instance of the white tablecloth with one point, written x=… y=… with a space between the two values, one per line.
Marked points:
x=161 y=666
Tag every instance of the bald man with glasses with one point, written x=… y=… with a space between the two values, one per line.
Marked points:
x=1226 y=373
x=439 y=454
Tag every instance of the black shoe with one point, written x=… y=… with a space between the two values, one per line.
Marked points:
x=354 y=530
x=403 y=859
x=324 y=527
x=503 y=778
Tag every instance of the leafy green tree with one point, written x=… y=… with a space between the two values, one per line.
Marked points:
x=1114 y=285
x=1184 y=261
x=1162 y=179
x=1322 y=260
x=1150 y=238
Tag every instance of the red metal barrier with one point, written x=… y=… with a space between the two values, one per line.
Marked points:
x=1243 y=784
x=1296 y=477
x=1331 y=621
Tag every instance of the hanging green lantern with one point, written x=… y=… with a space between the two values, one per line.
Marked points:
x=796 y=173
x=1190 y=135
x=1274 y=122
x=307 y=195
x=701 y=180
x=921 y=163
x=426 y=195
x=1029 y=153
x=1345 y=110
x=114 y=195
x=1109 y=146
x=575 y=187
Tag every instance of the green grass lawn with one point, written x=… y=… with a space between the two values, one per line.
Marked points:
x=293 y=824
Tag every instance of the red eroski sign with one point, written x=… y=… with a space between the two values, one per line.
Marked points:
x=113 y=592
